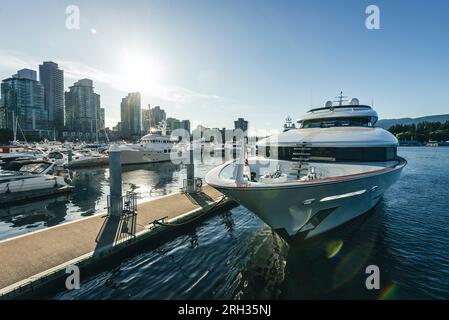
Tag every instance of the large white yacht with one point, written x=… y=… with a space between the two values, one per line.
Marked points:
x=308 y=180
x=153 y=147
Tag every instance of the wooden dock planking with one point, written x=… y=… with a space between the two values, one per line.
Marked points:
x=32 y=255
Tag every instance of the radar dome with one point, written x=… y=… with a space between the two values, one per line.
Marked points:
x=354 y=102
x=328 y=104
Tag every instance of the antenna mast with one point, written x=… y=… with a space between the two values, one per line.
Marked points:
x=341 y=98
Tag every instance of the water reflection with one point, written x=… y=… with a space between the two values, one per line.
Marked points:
x=329 y=267
x=151 y=180
x=45 y=213
x=89 y=187
x=334 y=265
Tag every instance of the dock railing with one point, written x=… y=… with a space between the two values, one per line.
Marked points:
x=195 y=185
x=127 y=204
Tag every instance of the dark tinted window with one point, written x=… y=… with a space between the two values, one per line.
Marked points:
x=342 y=154
x=336 y=122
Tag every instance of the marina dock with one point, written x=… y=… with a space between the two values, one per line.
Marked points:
x=30 y=261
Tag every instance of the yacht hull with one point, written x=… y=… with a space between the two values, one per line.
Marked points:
x=310 y=209
x=31 y=184
x=89 y=162
x=139 y=156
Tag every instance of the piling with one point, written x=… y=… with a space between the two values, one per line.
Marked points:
x=240 y=163
x=191 y=172
x=115 y=204
x=69 y=155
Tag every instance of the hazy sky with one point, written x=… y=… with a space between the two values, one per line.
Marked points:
x=211 y=61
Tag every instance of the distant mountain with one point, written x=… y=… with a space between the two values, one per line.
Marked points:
x=387 y=123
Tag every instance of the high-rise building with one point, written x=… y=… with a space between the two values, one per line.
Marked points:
x=102 y=124
x=185 y=124
x=22 y=105
x=2 y=115
x=173 y=124
x=131 y=116
x=146 y=119
x=52 y=78
x=26 y=74
x=241 y=124
x=157 y=115
x=82 y=106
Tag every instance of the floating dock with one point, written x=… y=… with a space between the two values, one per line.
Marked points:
x=31 y=261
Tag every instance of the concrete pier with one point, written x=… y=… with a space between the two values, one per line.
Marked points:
x=33 y=260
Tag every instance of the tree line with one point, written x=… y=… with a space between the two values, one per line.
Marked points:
x=422 y=132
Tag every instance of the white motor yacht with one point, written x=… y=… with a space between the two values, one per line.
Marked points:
x=58 y=156
x=308 y=180
x=30 y=177
x=87 y=158
x=153 y=147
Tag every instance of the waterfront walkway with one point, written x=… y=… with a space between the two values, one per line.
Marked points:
x=30 y=257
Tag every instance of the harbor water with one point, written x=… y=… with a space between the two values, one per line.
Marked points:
x=234 y=255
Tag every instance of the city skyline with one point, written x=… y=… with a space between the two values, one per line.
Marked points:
x=280 y=60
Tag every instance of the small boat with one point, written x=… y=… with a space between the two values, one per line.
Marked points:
x=31 y=176
x=87 y=158
x=9 y=157
x=58 y=157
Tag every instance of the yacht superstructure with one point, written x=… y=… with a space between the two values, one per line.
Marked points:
x=153 y=147
x=308 y=180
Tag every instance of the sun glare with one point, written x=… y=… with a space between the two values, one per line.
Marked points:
x=140 y=72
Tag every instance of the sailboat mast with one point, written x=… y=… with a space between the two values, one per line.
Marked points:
x=14 y=126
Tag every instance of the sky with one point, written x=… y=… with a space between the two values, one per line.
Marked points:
x=212 y=61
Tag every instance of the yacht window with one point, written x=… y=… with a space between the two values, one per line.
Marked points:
x=361 y=154
x=336 y=122
x=34 y=168
x=391 y=153
x=368 y=154
x=55 y=155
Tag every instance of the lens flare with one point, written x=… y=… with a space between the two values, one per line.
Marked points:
x=388 y=292
x=333 y=248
